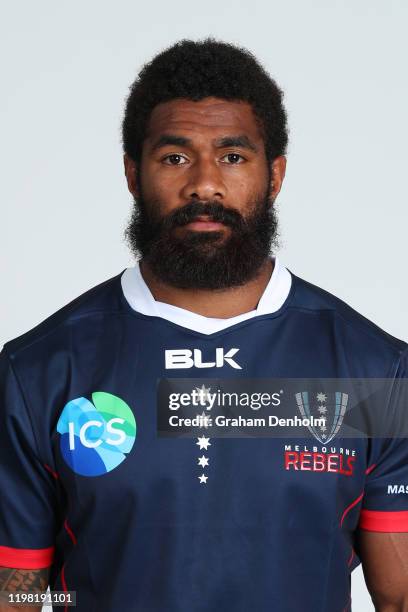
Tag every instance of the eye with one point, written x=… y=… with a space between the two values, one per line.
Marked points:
x=233 y=158
x=174 y=159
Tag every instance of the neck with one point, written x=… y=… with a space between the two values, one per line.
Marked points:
x=220 y=303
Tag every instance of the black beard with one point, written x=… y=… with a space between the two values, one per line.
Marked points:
x=206 y=259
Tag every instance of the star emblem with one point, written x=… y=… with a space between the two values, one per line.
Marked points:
x=203 y=461
x=203 y=479
x=204 y=420
x=321 y=397
x=322 y=409
x=203 y=442
x=203 y=392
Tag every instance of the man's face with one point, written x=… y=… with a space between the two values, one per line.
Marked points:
x=203 y=215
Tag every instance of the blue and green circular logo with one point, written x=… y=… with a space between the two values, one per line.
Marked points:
x=96 y=436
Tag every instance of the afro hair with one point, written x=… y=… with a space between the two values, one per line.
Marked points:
x=199 y=69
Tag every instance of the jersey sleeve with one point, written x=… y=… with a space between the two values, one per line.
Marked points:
x=385 y=501
x=27 y=494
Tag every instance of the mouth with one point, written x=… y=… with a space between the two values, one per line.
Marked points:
x=204 y=223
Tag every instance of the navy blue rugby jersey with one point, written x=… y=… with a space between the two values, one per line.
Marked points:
x=133 y=521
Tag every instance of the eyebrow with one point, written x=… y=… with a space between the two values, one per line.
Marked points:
x=242 y=141
x=170 y=139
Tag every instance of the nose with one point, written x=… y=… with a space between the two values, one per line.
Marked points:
x=204 y=182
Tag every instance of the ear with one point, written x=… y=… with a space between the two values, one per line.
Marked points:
x=278 y=170
x=131 y=174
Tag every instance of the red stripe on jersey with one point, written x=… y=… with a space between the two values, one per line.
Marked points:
x=47 y=467
x=63 y=579
x=70 y=532
x=63 y=582
x=347 y=510
x=374 y=520
x=370 y=469
x=64 y=585
x=26 y=558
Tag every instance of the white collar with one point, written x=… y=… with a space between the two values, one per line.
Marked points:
x=139 y=297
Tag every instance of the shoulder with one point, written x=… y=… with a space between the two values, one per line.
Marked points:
x=101 y=299
x=359 y=332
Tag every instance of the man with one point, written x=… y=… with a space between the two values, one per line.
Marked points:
x=98 y=496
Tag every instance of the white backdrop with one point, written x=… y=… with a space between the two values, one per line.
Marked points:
x=66 y=67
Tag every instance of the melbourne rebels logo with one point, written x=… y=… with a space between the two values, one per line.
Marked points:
x=329 y=408
x=96 y=436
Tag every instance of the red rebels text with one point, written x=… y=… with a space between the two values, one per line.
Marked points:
x=319 y=462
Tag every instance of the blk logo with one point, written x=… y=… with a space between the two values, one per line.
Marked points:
x=177 y=359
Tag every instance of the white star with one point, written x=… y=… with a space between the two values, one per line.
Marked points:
x=203 y=392
x=205 y=420
x=322 y=409
x=203 y=442
x=203 y=478
x=321 y=397
x=203 y=461
x=323 y=427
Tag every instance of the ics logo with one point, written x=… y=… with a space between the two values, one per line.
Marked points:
x=96 y=436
